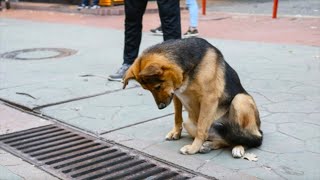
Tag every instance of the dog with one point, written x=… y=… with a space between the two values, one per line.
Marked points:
x=194 y=74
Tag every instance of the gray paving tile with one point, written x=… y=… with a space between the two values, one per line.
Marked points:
x=298 y=166
x=284 y=117
x=294 y=107
x=281 y=143
x=313 y=145
x=268 y=127
x=303 y=131
x=108 y=112
x=12 y=120
x=265 y=172
x=12 y=167
x=6 y=174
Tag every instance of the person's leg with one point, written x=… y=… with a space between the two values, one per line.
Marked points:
x=169 y=11
x=193 y=13
x=193 y=18
x=85 y=2
x=134 y=10
x=95 y=3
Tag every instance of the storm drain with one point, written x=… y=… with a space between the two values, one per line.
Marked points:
x=69 y=154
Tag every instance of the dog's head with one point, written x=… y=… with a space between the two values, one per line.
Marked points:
x=158 y=75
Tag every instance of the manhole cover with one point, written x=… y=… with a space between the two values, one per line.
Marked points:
x=38 y=53
x=73 y=155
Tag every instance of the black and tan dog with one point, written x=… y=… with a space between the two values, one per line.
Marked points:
x=195 y=75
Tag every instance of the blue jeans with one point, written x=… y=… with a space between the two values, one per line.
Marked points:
x=86 y=2
x=193 y=12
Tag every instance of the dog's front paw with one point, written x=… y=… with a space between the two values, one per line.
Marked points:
x=238 y=151
x=173 y=135
x=189 y=149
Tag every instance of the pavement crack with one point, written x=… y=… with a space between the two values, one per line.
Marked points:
x=134 y=124
x=218 y=154
x=80 y=98
x=201 y=165
x=263 y=96
x=93 y=75
x=116 y=113
x=26 y=94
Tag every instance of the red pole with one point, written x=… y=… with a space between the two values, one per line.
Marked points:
x=275 y=9
x=204 y=2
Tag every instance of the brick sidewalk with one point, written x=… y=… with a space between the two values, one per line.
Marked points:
x=220 y=25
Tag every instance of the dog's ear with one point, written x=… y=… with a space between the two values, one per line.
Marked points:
x=131 y=73
x=152 y=70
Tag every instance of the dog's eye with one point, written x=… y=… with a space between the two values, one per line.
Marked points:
x=158 y=87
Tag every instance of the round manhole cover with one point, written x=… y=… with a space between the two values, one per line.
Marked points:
x=38 y=53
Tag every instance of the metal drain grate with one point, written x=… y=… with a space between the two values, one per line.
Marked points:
x=73 y=155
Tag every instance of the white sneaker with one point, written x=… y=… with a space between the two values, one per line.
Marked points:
x=82 y=6
x=95 y=7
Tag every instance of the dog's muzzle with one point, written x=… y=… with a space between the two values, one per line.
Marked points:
x=162 y=105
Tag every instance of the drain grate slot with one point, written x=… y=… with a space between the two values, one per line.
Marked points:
x=115 y=156
x=17 y=140
x=87 y=159
x=69 y=154
x=56 y=147
x=100 y=165
x=26 y=132
x=26 y=142
x=111 y=169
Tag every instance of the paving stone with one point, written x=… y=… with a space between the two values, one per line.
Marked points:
x=284 y=117
x=313 y=118
x=294 y=107
x=267 y=127
x=13 y=120
x=6 y=174
x=109 y=111
x=263 y=113
x=282 y=97
x=259 y=98
x=301 y=131
x=313 y=145
x=225 y=159
x=311 y=92
x=60 y=90
x=12 y=167
x=271 y=86
x=298 y=166
x=265 y=172
x=280 y=143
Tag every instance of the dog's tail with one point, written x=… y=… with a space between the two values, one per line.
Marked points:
x=235 y=135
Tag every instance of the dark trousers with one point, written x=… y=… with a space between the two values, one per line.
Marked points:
x=169 y=12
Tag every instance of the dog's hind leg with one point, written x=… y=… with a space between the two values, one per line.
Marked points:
x=244 y=125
